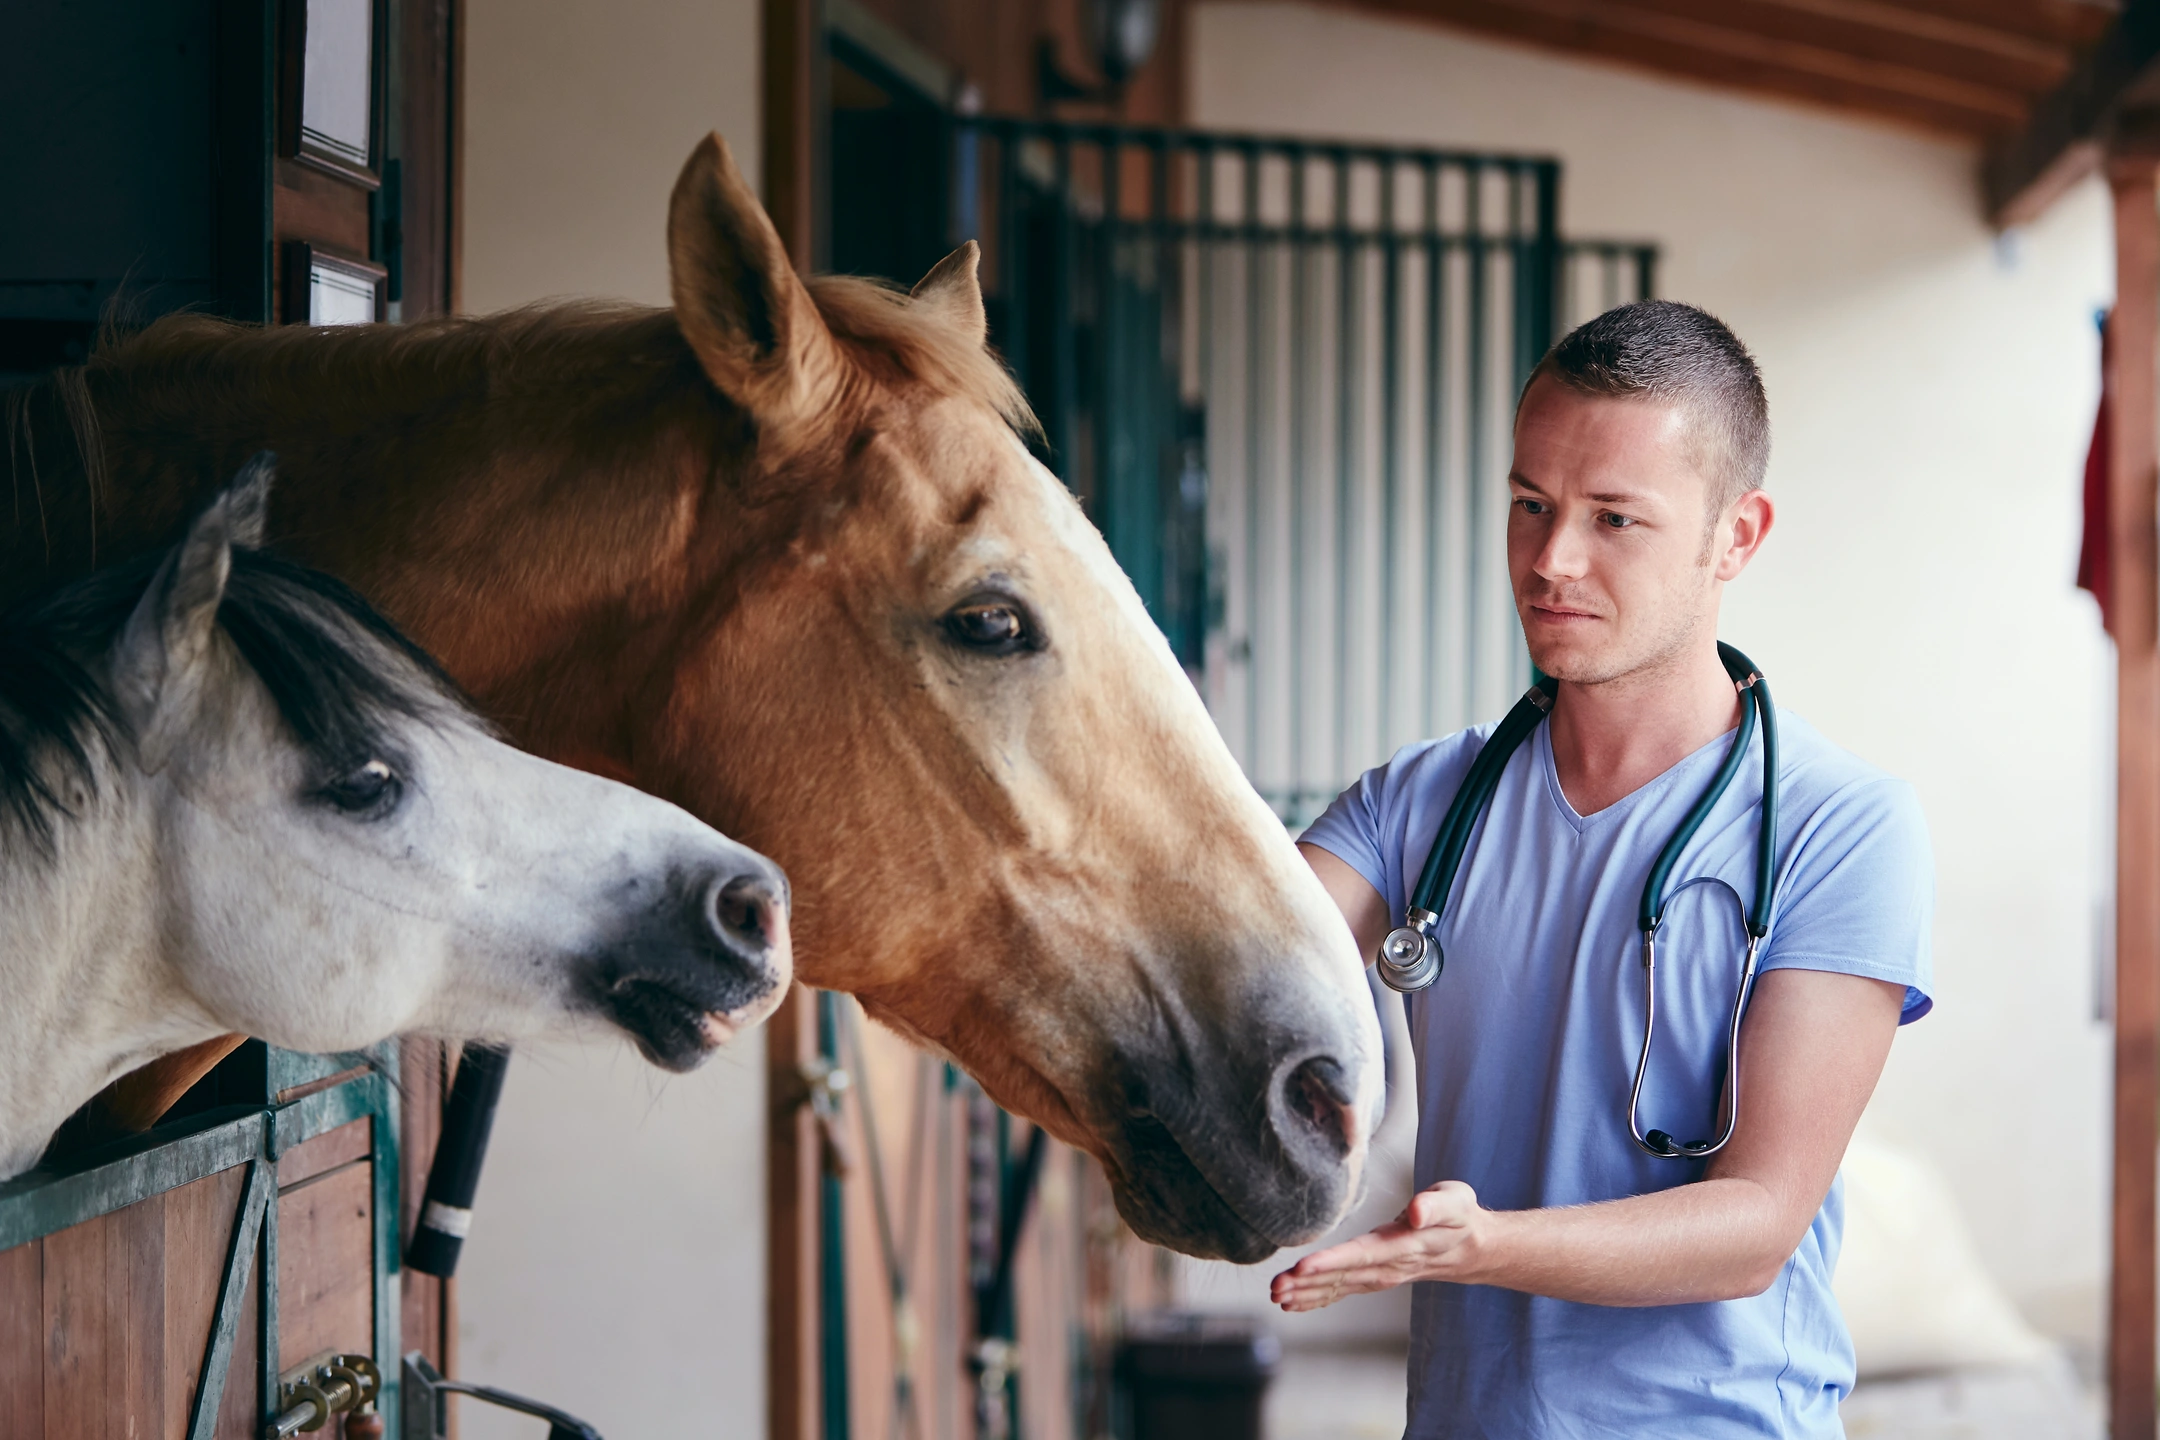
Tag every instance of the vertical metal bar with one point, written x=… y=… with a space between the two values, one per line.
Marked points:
x=1646 y=259
x=1390 y=446
x=1300 y=377
x=832 y=1260
x=1112 y=492
x=1012 y=254
x=266 y=1295
x=1204 y=358
x=389 y=1290
x=1064 y=381
x=1436 y=398
x=1478 y=403
x=1259 y=370
x=1347 y=415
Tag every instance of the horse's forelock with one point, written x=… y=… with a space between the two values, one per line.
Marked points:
x=339 y=675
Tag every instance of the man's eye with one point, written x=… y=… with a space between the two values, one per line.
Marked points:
x=371 y=787
x=1617 y=522
x=1529 y=506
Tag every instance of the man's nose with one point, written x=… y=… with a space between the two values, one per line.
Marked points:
x=1564 y=555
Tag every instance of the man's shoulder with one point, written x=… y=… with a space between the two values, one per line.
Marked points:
x=1815 y=774
x=1828 y=789
x=1423 y=765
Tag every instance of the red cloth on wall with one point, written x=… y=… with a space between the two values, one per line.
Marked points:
x=2093 y=572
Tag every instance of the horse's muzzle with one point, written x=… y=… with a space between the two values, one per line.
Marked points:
x=1206 y=1170
x=708 y=959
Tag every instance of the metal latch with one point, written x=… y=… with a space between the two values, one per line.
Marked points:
x=426 y=1397
x=326 y=1386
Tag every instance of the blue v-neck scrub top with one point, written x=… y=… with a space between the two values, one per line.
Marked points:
x=1527 y=1042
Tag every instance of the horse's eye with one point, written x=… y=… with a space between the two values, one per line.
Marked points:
x=372 y=787
x=992 y=626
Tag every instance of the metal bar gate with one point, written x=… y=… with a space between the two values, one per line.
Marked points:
x=1281 y=375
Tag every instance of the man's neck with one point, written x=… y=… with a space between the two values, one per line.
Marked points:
x=1611 y=739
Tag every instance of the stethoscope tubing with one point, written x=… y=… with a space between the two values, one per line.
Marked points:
x=1411 y=959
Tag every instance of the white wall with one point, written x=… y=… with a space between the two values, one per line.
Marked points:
x=616 y=1266
x=1932 y=394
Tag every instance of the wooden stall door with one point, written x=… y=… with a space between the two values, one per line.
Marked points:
x=271 y=161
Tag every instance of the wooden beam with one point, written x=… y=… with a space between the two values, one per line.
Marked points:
x=791 y=113
x=2134 y=462
x=2065 y=22
x=1671 y=43
x=2062 y=141
x=1880 y=34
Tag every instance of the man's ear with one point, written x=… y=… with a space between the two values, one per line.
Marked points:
x=738 y=300
x=162 y=657
x=953 y=290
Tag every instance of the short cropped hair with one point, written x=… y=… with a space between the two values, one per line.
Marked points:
x=1665 y=351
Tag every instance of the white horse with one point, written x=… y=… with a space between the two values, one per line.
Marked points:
x=234 y=799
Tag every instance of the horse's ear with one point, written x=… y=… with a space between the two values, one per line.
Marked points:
x=247 y=500
x=740 y=304
x=163 y=653
x=953 y=289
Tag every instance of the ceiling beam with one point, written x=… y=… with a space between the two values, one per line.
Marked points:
x=1675 y=43
x=1875 y=33
x=2062 y=22
x=2069 y=129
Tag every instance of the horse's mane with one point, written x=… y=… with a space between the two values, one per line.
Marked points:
x=219 y=377
x=335 y=669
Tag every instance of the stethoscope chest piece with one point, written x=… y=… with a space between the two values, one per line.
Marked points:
x=1410 y=958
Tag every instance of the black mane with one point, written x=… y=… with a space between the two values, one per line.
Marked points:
x=337 y=671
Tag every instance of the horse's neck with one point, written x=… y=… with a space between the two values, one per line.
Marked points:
x=88 y=998
x=429 y=469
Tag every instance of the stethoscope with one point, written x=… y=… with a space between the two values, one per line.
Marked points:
x=1410 y=957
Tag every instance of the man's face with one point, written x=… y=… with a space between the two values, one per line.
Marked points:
x=1606 y=535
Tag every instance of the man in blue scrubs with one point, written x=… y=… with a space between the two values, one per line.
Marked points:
x=1572 y=1285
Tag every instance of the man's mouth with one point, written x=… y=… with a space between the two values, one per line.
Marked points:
x=1560 y=615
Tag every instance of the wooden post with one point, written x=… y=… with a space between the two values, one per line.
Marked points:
x=792 y=46
x=2134 y=335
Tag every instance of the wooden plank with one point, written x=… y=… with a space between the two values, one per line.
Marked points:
x=1675 y=45
x=104 y=1366
x=199 y=1221
x=422 y=1069
x=2134 y=453
x=324 y=1153
x=240 y=1411
x=2060 y=143
x=427 y=99
x=22 y=1340
x=325 y=1242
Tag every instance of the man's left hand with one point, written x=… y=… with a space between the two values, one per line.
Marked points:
x=1437 y=1237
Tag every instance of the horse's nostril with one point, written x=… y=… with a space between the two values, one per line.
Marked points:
x=748 y=913
x=1316 y=1096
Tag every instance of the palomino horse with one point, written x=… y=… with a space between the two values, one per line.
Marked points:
x=778 y=555
x=232 y=797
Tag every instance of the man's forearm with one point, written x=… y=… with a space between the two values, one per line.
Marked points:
x=1718 y=1239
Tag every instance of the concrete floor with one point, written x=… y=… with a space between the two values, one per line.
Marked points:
x=1357 y=1394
